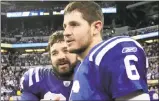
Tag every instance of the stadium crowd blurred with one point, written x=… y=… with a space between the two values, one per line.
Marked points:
x=14 y=8
x=142 y=31
x=45 y=31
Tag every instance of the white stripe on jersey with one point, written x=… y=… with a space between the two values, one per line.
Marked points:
x=30 y=76
x=110 y=46
x=21 y=82
x=37 y=79
x=147 y=62
x=92 y=53
x=37 y=74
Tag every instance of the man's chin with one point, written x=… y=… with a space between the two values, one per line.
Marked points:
x=64 y=69
x=66 y=74
x=76 y=51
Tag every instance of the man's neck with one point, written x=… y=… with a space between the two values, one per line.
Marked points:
x=96 y=41
x=66 y=78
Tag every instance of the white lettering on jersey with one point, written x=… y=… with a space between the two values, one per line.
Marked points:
x=129 y=49
x=130 y=67
x=76 y=86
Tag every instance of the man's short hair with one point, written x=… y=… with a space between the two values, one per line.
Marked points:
x=90 y=10
x=55 y=37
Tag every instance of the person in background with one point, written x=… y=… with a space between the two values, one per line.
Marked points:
x=49 y=83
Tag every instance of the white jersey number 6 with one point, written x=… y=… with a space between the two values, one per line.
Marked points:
x=130 y=67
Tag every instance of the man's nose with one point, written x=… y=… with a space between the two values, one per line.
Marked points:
x=62 y=55
x=67 y=32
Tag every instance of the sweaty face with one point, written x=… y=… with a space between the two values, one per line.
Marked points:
x=63 y=62
x=77 y=32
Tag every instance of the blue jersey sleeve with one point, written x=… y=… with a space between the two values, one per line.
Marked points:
x=27 y=96
x=30 y=84
x=122 y=64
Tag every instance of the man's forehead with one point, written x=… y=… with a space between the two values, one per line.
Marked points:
x=58 y=45
x=72 y=16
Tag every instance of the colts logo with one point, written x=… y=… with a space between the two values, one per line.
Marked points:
x=66 y=83
x=76 y=86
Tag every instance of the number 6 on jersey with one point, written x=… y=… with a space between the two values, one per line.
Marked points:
x=130 y=67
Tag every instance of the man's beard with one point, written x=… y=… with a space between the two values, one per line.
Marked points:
x=65 y=75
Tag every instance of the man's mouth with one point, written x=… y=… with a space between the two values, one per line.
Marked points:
x=69 y=41
x=63 y=66
x=63 y=63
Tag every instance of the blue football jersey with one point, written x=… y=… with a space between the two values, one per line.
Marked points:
x=41 y=83
x=153 y=96
x=113 y=68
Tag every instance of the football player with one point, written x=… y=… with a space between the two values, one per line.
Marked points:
x=49 y=83
x=114 y=69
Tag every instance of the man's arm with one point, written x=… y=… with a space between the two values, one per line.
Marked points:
x=135 y=96
x=28 y=96
x=26 y=80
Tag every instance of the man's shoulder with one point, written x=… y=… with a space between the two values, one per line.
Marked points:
x=34 y=76
x=112 y=47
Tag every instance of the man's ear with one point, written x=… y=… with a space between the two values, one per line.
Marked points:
x=97 y=27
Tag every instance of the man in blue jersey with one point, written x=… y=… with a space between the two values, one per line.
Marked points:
x=114 y=69
x=49 y=83
x=153 y=92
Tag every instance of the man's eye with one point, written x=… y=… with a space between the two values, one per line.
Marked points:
x=54 y=53
x=74 y=24
x=65 y=50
